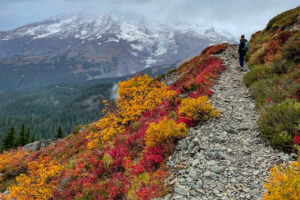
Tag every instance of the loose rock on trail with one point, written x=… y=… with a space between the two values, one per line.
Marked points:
x=224 y=158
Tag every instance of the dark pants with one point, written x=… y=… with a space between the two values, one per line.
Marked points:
x=242 y=54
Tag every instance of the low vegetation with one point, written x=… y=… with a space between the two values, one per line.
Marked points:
x=274 y=61
x=127 y=149
x=284 y=182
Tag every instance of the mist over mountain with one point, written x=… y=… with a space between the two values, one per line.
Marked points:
x=79 y=47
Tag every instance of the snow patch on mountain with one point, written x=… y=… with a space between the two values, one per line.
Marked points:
x=105 y=45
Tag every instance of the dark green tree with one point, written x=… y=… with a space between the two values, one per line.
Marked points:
x=27 y=136
x=9 y=140
x=32 y=139
x=59 y=133
x=22 y=137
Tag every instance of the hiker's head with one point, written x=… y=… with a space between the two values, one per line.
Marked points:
x=243 y=36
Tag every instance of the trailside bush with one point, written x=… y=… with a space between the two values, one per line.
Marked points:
x=282 y=67
x=197 y=109
x=216 y=49
x=275 y=88
x=291 y=51
x=279 y=124
x=284 y=182
x=164 y=130
x=256 y=73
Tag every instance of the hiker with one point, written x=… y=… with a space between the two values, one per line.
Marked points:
x=243 y=48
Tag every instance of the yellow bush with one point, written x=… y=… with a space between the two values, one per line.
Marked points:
x=136 y=96
x=40 y=183
x=164 y=130
x=284 y=183
x=197 y=109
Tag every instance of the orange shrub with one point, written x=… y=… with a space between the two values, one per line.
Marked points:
x=12 y=158
x=40 y=183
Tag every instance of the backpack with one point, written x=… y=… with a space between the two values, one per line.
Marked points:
x=247 y=46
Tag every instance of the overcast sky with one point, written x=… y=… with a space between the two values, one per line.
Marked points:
x=234 y=16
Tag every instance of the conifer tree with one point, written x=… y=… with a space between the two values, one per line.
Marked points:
x=27 y=136
x=22 y=137
x=32 y=139
x=59 y=133
x=9 y=139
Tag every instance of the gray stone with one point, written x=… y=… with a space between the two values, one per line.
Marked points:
x=195 y=162
x=218 y=169
x=216 y=191
x=193 y=174
x=256 y=172
x=247 y=190
x=181 y=190
x=211 y=162
x=184 y=145
x=37 y=145
x=196 y=141
x=220 y=155
x=218 y=139
x=207 y=173
x=168 y=197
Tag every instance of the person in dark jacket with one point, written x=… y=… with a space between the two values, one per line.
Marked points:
x=242 y=51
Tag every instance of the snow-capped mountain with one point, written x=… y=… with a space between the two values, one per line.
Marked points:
x=81 y=47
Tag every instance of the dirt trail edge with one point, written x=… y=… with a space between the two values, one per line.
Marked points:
x=224 y=158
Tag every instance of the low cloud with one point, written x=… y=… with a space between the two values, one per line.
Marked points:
x=233 y=16
x=114 y=92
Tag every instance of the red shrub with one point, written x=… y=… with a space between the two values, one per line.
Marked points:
x=296 y=139
x=216 y=49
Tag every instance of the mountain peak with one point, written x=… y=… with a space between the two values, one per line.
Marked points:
x=88 y=46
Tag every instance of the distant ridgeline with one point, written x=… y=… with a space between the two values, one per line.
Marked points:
x=43 y=110
x=274 y=60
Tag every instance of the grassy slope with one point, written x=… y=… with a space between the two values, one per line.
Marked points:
x=274 y=61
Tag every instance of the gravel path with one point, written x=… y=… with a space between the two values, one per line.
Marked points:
x=224 y=158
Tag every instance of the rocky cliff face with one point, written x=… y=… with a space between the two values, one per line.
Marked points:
x=81 y=47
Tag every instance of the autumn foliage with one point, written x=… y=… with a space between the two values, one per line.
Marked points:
x=40 y=183
x=284 y=182
x=197 y=109
x=136 y=96
x=124 y=154
x=274 y=82
x=274 y=79
x=166 y=129
x=12 y=159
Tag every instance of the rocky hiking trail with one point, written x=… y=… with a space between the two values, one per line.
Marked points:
x=224 y=158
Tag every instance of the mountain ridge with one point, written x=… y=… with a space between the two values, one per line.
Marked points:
x=80 y=48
